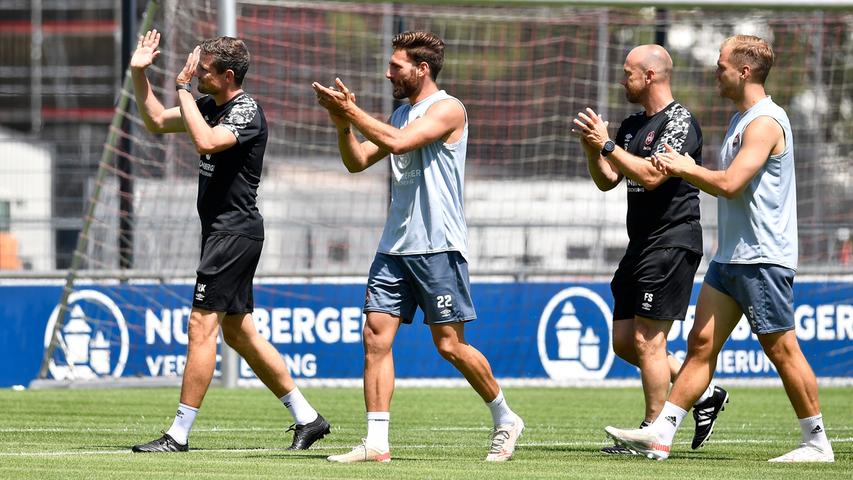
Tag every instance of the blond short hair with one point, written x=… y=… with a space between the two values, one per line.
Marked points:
x=753 y=51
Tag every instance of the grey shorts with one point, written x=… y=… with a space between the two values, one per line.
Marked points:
x=764 y=292
x=436 y=282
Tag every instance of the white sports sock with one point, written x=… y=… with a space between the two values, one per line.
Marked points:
x=668 y=422
x=183 y=423
x=814 y=433
x=299 y=408
x=501 y=413
x=377 y=430
x=706 y=394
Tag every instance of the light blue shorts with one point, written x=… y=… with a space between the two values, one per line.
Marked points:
x=764 y=292
x=436 y=282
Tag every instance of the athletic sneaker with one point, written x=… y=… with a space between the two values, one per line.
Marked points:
x=163 y=444
x=362 y=453
x=305 y=435
x=806 y=453
x=504 y=438
x=643 y=441
x=617 y=449
x=705 y=414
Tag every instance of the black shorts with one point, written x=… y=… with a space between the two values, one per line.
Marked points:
x=654 y=284
x=225 y=273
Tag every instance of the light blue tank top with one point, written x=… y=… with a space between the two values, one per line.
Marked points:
x=426 y=213
x=760 y=225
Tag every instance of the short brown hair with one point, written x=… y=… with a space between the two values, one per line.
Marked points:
x=228 y=54
x=753 y=51
x=422 y=47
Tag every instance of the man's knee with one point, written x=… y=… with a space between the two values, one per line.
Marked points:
x=448 y=348
x=233 y=335
x=649 y=338
x=374 y=342
x=781 y=348
x=624 y=348
x=202 y=328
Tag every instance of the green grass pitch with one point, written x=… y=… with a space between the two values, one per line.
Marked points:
x=439 y=433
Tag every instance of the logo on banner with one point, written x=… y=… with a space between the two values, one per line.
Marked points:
x=95 y=337
x=574 y=336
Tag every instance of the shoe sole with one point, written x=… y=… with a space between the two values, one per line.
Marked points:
x=713 y=424
x=651 y=455
x=617 y=453
x=384 y=458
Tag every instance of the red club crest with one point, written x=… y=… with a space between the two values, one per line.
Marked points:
x=650 y=138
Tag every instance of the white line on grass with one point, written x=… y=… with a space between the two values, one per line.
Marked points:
x=483 y=428
x=589 y=444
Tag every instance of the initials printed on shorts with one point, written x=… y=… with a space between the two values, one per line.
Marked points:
x=648 y=301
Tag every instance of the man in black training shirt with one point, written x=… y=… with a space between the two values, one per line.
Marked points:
x=652 y=286
x=229 y=131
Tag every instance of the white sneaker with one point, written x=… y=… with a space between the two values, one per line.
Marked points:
x=362 y=453
x=642 y=441
x=504 y=438
x=806 y=453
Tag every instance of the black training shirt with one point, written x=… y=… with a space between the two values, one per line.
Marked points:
x=667 y=216
x=228 y=180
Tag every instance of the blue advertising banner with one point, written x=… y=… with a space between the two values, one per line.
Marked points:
x=560 y=331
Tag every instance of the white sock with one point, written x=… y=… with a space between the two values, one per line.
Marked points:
x=299 y=408
x=814 y=432
x=377 y=430
x=501 y=413
x=668 y=422
x=184 y=418
x=706 y=395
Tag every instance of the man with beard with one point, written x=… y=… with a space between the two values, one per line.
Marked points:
x=653 y=283
x=420 y=261
x=229 y=132
x=752 y=273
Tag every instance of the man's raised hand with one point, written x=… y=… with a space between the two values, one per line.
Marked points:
x=146 y=50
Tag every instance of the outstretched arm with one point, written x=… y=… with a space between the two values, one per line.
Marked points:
x=763 y=137
x=157 y=118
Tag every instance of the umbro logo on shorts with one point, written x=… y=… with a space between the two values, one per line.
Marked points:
x=648 y=298
x=200 y=288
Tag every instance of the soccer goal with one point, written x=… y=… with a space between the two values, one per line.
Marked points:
x=523 y=70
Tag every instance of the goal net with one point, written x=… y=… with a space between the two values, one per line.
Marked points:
x=533 y=213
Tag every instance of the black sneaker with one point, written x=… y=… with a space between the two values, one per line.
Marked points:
x=617 y=450
x=705 y=413
x=305 y=435
x=162 y=444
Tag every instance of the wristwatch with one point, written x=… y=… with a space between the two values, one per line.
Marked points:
x=608 y=148
x=184 y=86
